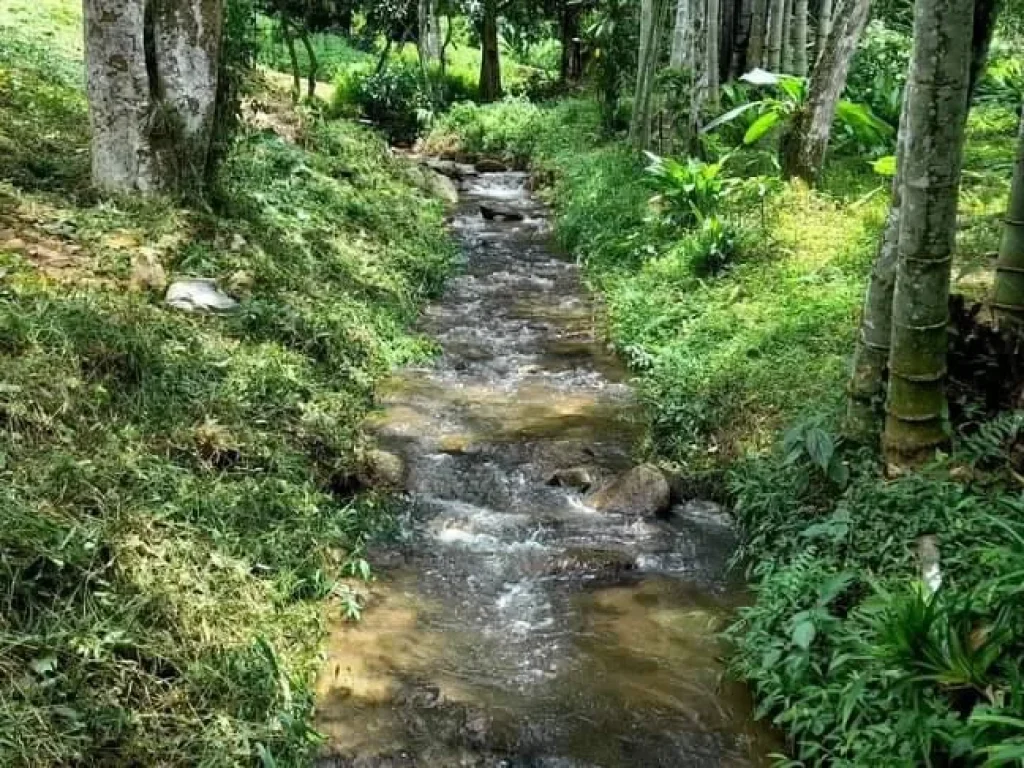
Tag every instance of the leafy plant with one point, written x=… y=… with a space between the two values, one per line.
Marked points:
x=688 y=191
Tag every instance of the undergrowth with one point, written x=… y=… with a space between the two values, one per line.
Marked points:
x=175 y=490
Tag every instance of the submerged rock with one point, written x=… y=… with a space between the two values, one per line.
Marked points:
x=642 y=491
x=443 y=187
x=450 y=168
x=199 y=294
x=492 y=212
x=585 y=561
x=490 y=165
x=580 y=478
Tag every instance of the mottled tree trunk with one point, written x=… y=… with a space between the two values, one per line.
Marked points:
x=424 y=33
x=756 y=46
x=490 y=60
x=788 y=49
x=714 y=36
x=803 y=150
x=652 y=14
x=869 y=376
x=776 y=21
x=1008 y=296
x=824 y=26
x=698 y=59
x=682 y=37
x=433 y=30
x=800 y=37
x=571 y=69
x=936 y=106
x=152 y=74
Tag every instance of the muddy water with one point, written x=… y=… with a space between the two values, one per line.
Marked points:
x=515 y=626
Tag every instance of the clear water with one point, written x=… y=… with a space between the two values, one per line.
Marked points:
x=515 y=626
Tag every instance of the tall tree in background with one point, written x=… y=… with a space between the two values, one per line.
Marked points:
x=776 y=19
x=824 y=26
x=758 y=28
x=682 y=37
x=490 y=54
x=800 y=37
x=804 y=147
x=652 y=16
x=1008 y=296
x=714 y=35
x=936 y=106
x=151 y=79
x=740 y=43
x=571 y=66
x=788 y=49
x=869 y=376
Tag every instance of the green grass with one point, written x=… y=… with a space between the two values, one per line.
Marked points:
x=174 y=489
x=843 y=653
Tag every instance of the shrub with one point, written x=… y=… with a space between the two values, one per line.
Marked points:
x=393 y=98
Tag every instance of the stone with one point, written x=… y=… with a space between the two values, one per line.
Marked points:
x=240 y=282
x=382 y=469
x=13 y=245
x=490 y=165
x=642 y=491
x=492 y=212
x=584 y=561
x=442 y=187
x=199 y=294
x=580 y=478
x=237 y=242
x=450 y=168
x=147 y=272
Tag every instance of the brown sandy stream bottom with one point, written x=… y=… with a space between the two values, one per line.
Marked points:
x=512 y=625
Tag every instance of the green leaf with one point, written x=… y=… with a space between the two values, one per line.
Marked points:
x=761 y=126
x=803 y=634
x=834 y=586
x=820 y=447
x=729 y=116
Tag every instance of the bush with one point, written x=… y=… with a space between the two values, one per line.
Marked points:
x=879 y=71
x=393 y=98
x=509 y=128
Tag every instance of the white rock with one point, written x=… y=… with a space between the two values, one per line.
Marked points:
x=199 y=294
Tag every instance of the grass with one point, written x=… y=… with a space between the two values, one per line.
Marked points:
x=742 y=328
x=175 y=503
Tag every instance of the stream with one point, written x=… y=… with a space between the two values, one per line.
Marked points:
x=512 y=625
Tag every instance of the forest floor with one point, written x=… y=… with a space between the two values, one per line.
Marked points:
x=176 y=489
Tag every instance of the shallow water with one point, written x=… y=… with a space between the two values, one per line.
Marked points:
x=515 y=626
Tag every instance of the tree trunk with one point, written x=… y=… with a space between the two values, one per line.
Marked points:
x=433 y=30
x=314 y=65
x=490 y=60
x=151 y=79
x=682 y=37
x=741 y=40
x=1008 y=296
x=571 y=69
x=788 y=49
x=776 y=19
x=289 y=41
x=699 y=68
x=869 y=377
x=800 y=37
x=423 y=44
x=652 y=13
x=936 y=106
x=803 y=150
x=756 y=46
x=824 y=26
x=714 y=36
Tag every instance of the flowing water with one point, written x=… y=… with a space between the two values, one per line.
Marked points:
x=515 y=626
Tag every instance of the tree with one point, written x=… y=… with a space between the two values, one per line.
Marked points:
x=151 y=80
x=682 y=34
x=571 y=65
x=714 y=34
x=803 y=149
x=869 y=375
x=490 y=54
x=652 y=14
x=788 y=48
x=800 y=37
x=936 y=106
x=756 y=43
x=776 y=14
x=1008 y=296
x=824 y=26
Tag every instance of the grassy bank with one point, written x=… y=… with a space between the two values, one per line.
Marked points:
x=175 y=492
x=738 y=324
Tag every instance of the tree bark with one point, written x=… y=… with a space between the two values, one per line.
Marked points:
x=788 y=49
x=152 y=72
x=314 y=65
x=803 y=150
x=714 y=36
x=756 y=46
x=682 y=37
x=698 y=59
x=652 y=13
x=800 y=37
x=1008 y=296
x=824 y=26
x=869 y=376
x=490 y=60
x=776 y=19
x=936 y=106
x=741 y=40
x=289 y=41
x=423 y=44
